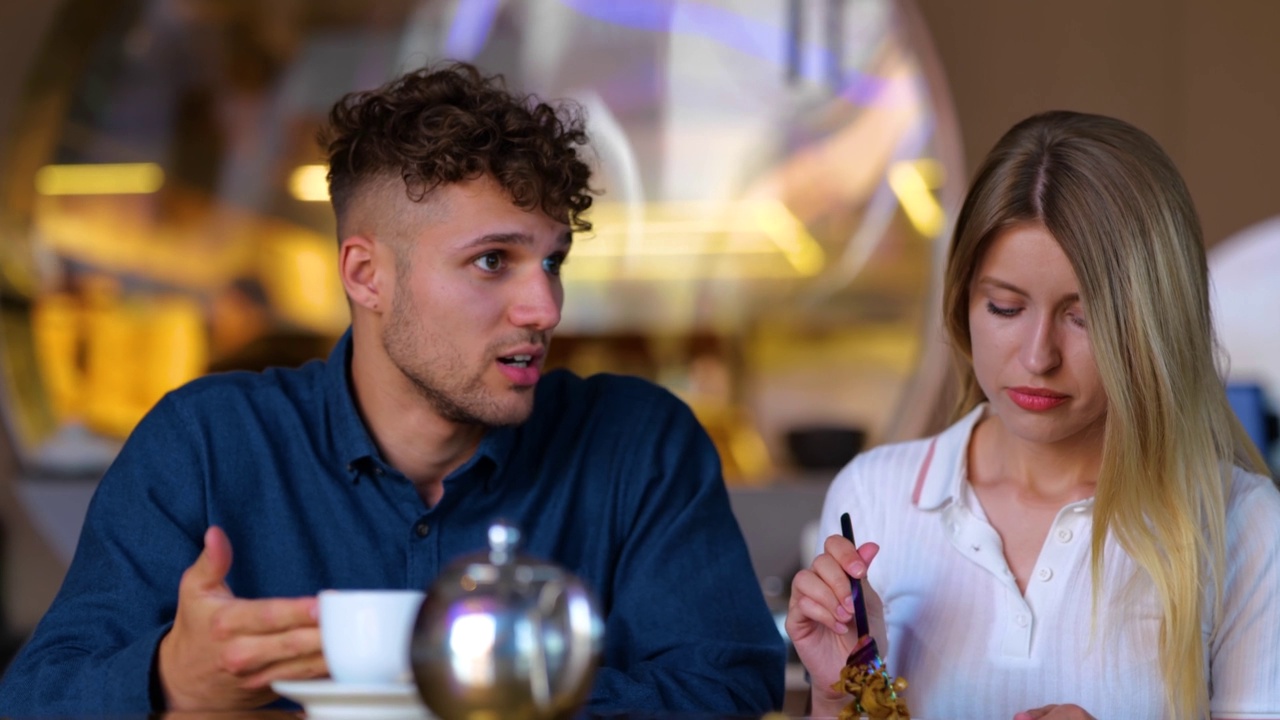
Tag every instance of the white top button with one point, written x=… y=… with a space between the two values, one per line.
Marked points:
x=1021 y=620
x=1064 y=535
x=1044 y=574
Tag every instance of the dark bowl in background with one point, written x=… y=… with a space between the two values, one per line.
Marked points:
x=824 y=447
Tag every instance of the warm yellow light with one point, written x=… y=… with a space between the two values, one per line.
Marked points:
x=912 y=188
x=932 y=172
x=789 y=234
x=691 y=240
x=309 y=183
x=101 y=179
x=300 y=273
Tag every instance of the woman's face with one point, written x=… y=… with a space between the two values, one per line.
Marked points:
x=1029 y=333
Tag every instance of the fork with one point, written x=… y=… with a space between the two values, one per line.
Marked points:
x=866 y=652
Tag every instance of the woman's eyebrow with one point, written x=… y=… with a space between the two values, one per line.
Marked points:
x=998 y=283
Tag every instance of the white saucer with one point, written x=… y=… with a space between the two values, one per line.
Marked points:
x=332 y=700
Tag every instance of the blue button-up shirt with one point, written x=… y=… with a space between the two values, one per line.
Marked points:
x=611 y=477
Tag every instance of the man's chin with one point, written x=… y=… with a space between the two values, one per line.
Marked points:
x=517 y=417
x=514 y=412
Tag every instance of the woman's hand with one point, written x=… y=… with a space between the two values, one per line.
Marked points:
x=1055 y=712
x=820 y=617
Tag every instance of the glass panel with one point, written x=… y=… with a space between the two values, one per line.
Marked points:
x=773 y=177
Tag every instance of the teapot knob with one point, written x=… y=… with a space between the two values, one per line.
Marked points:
x=504 y=540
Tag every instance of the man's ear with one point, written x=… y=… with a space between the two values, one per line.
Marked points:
x=362 y=278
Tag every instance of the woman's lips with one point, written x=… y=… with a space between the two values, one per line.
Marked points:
x=1035 y=399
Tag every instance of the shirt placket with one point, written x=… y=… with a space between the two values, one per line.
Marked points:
x=978 y=541
x=1067 y=539
x=422 y=532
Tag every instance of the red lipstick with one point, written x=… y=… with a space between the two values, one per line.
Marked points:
x=1036 y=399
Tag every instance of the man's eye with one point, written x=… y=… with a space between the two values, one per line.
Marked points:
x=490 y=262
x=553 y=264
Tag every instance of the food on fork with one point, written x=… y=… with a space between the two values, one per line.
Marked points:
x=874 y=693
x=863 y=675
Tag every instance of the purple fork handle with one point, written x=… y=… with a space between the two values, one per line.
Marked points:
x=859 y=604
x=865 y=654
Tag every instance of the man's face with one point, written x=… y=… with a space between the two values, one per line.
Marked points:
x=476 y=299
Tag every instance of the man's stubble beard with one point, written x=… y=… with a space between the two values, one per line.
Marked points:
x=467 y=403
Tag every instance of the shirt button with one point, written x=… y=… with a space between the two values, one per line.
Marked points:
x=1064 y=535
x=422 y=529
x=1045 y=574
x=1021 y=620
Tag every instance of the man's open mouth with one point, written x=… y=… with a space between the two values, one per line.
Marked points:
x=520 y=361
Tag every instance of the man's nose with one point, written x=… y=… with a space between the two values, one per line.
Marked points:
x=1040 y=352
x=537 y=302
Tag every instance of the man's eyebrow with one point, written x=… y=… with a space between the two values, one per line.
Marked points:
x=514 y=238
x=498 y=239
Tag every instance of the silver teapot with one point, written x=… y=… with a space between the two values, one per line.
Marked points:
x=501 y=635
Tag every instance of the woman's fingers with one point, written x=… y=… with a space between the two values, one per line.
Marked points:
x=837 y=582
x=1055 y=712
x=813 y=599
x=854 y=562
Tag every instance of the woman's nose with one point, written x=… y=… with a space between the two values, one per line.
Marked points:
x=1040 y=352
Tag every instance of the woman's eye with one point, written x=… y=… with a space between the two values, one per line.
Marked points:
x=1002 y=311
x=490 y=262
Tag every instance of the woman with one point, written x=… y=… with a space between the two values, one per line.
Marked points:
x=1094 y=536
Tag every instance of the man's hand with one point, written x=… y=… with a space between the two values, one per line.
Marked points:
x=820 y=614
x=222 y=652
x=1055 y=712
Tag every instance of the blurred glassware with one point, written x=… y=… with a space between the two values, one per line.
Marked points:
x=774 y=174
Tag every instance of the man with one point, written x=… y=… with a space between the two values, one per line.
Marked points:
x=455 y=204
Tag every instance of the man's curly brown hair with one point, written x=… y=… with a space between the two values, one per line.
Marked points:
x=450 y=123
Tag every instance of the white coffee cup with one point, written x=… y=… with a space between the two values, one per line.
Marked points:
x=365 y=634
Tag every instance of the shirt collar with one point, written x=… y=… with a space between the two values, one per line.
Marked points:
x=944 y=472
x=351 y=437
x=495 y=447
x=943 y=479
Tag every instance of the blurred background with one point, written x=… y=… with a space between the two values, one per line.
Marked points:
x=778 y=180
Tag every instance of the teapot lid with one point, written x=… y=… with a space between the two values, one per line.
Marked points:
x=504 y=541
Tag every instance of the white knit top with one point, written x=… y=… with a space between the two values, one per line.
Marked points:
x=971 y=645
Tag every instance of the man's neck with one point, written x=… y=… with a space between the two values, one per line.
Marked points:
x=408 y=431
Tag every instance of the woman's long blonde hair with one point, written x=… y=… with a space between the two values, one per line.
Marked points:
x=1117 y=206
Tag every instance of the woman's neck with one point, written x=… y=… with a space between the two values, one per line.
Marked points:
x=1062 y=471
